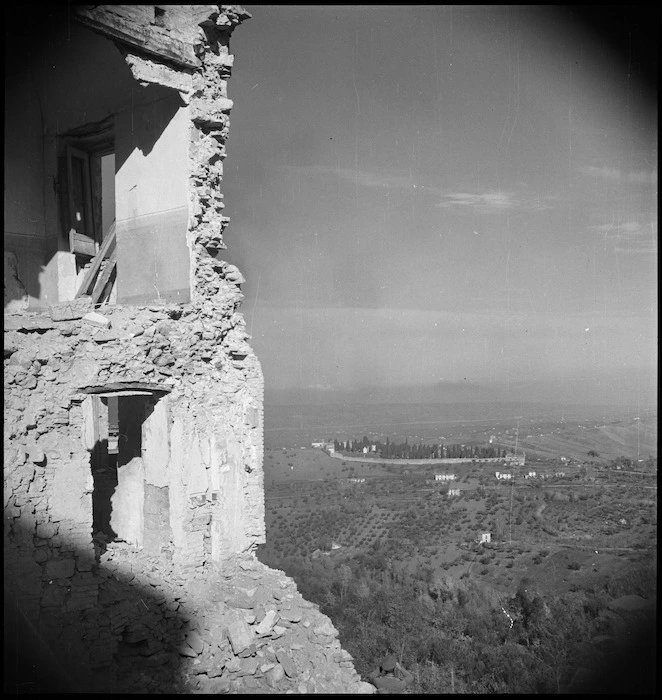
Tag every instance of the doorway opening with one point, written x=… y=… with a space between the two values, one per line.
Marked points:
x=122 y=429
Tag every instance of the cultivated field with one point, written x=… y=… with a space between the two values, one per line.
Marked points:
x=578 y=539
x=598 y=518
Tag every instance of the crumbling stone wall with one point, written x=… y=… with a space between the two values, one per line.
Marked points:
x=204 y=459
x=189 y=498
x=212 y=459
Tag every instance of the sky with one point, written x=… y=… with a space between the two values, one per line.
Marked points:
x=424 y=194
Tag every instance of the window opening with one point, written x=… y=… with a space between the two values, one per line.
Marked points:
x=88 y=206
x=82 y=238
x=159 y=16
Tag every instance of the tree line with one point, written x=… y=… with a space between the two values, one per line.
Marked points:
x=404 y=450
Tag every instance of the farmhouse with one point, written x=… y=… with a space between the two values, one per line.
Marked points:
x=485 y=538
x=453 y=492
x=445 y=477
x=503 y=475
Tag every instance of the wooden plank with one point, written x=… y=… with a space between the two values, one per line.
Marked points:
x=114 y=387
x=104 y=277
x=150 y=39
x=109 y=240
x=128 y=392
x=80 y=244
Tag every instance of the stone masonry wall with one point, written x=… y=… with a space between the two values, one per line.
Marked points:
x=215 y=400
x=144 y=612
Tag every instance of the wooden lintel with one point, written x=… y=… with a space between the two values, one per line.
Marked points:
x=115 y=387
x=148 y=39
x=134 y=392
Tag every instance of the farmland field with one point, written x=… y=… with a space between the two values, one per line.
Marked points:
x=586 y=520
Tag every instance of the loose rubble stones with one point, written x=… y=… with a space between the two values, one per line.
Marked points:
x=203 y=636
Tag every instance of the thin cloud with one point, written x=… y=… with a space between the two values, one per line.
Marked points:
x=364 y=178
x=642 y=177
x=489 y=202
x=641 y=247
x=630 y=237
x=626 y=230
x=482 y=202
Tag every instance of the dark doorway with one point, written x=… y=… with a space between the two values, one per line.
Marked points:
x=118 y=425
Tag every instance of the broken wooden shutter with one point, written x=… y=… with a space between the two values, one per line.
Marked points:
x=82 y=239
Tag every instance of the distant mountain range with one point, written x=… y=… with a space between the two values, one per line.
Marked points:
x=440 y=392
x=627 y=388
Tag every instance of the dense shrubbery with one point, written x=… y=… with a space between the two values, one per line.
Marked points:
x=456 y=636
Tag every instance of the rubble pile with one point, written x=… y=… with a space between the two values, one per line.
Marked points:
x=237 y=628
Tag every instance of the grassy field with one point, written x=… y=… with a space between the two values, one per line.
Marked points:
x=634 y=438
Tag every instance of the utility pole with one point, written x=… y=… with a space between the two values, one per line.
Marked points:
x=510 y=519
x=512 y=486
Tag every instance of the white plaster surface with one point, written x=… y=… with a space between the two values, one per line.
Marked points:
x=127 y=502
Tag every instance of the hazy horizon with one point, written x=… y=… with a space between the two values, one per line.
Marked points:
x=464 y=195
x=632 y=394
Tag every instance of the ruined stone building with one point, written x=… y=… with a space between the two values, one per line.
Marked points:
x=133 y=402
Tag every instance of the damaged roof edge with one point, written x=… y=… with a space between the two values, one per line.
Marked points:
x=126 y=24
x=105 y=19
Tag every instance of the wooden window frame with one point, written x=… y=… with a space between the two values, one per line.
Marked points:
x=81 y=241
x=88 y=144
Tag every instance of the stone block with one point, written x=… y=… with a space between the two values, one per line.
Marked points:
x=287 y=663
x=233 y=666
x=53 y=596
x=96 y=319
x=239 y=634
x=85 y=562
x=37 y=455
x=269 y=620
x=326 y=629
x=241 y=600
x=59 y=568
x=291 y=615
x=194 y=640
x=364 y=688
x=248 y=666
x=46 y=530
x=275 y=675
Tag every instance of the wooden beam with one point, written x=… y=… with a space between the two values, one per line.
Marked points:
x=107 y=20
x=115 y=387
x=108 y=241
x=104 y=277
